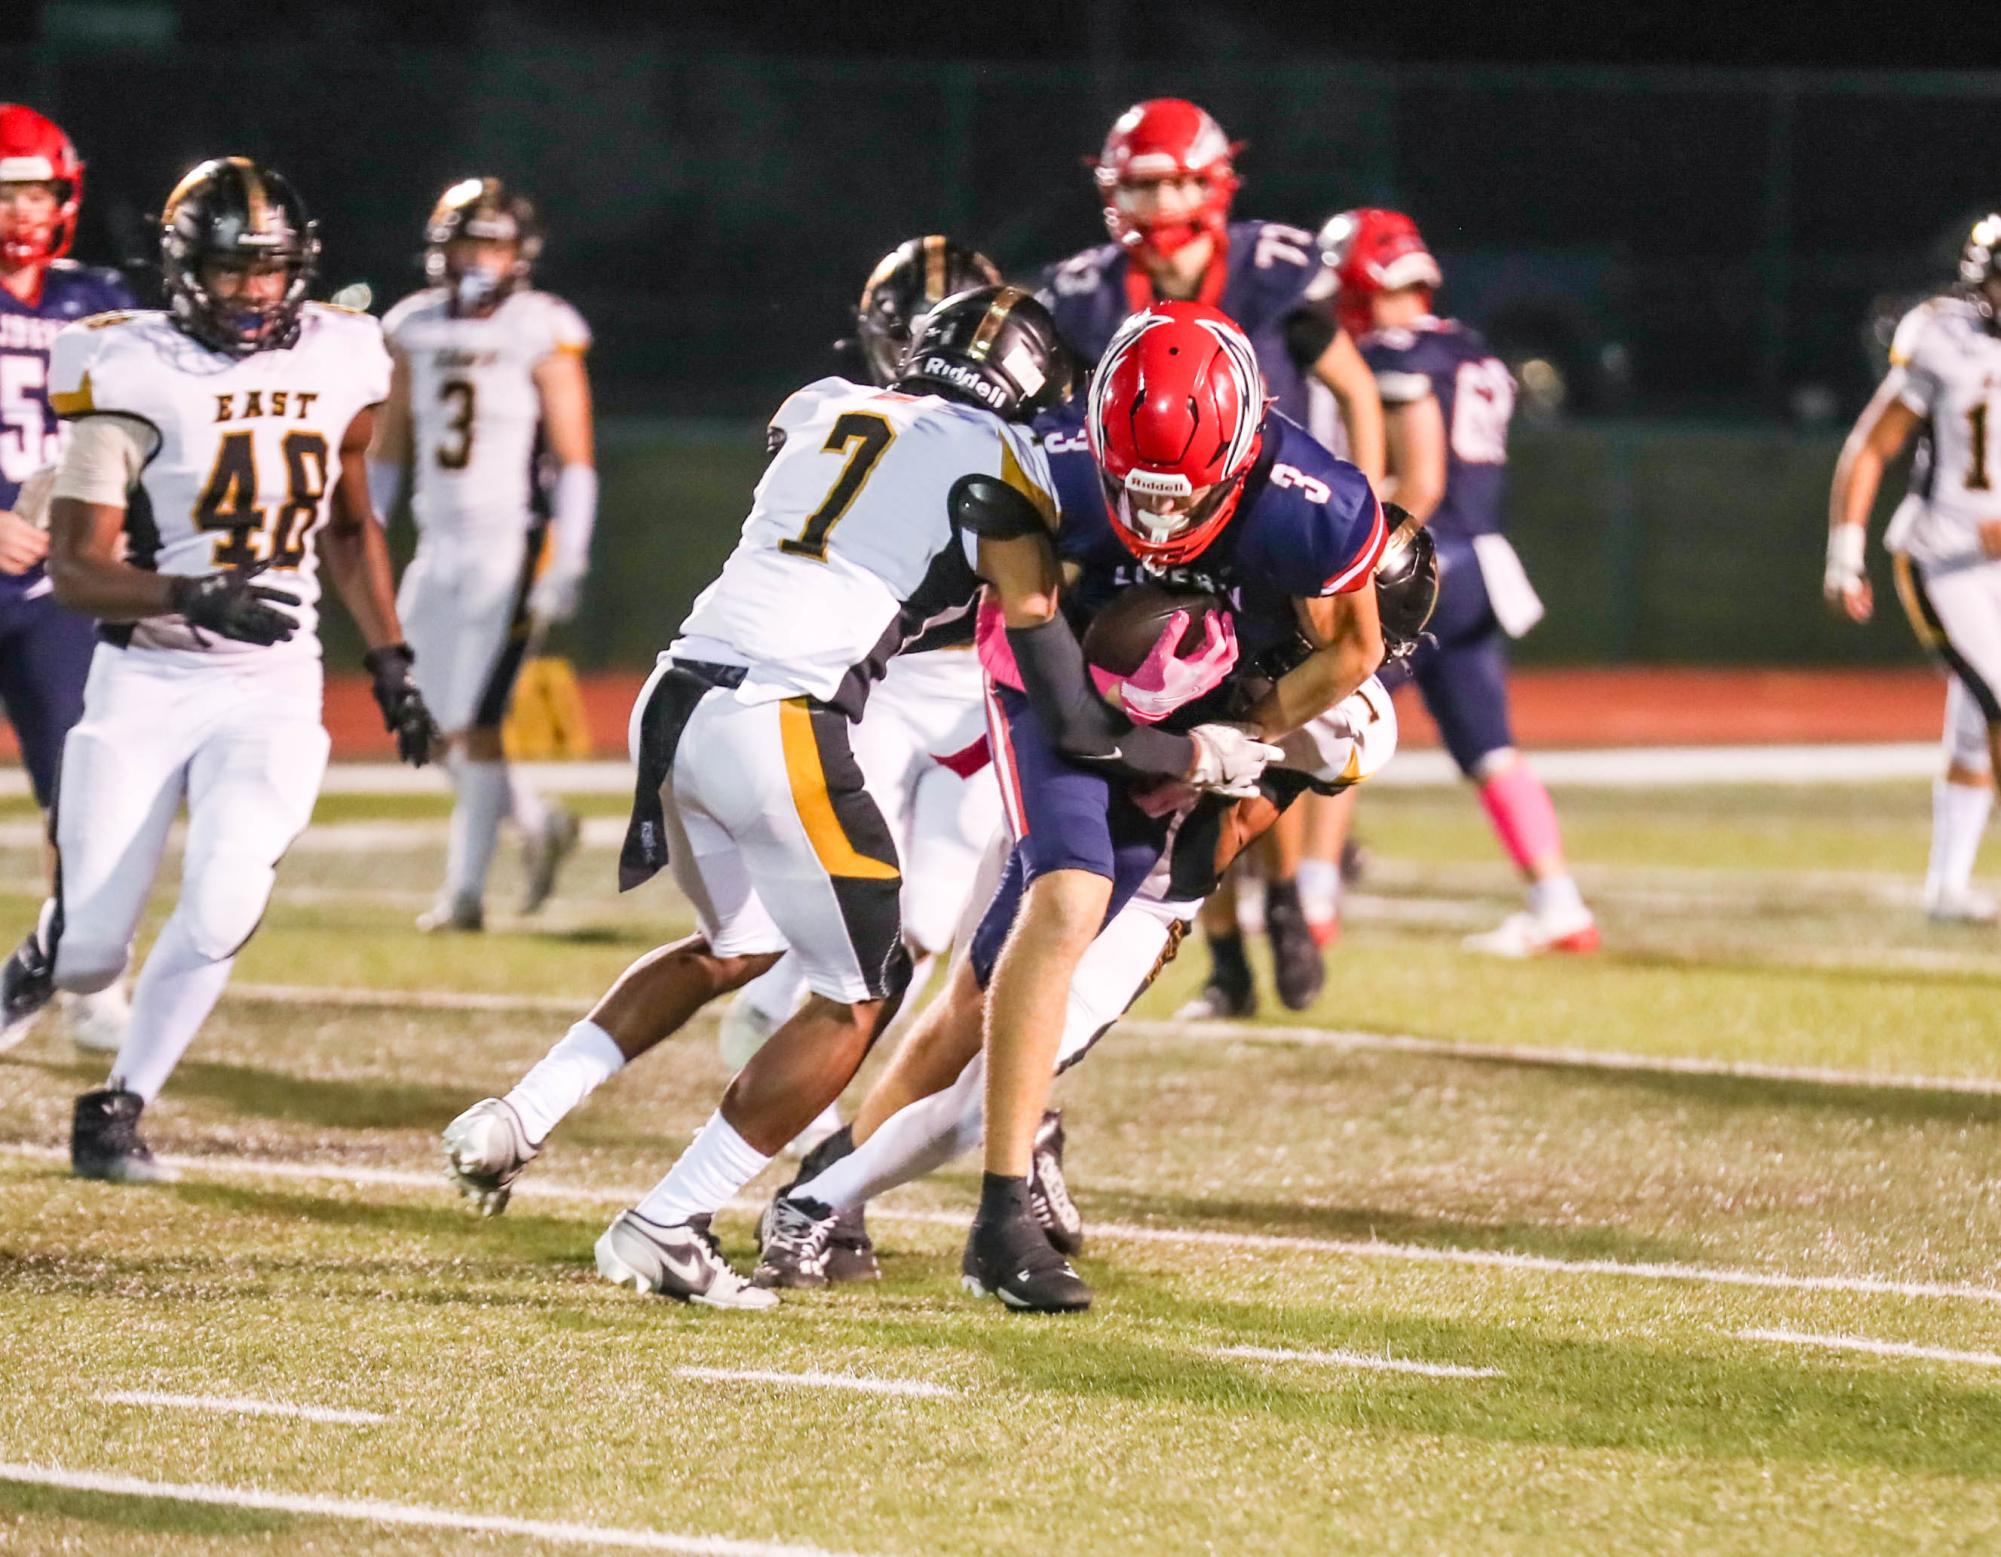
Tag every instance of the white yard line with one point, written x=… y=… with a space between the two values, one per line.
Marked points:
x=374 y=1512
x=1577 y=1059
x=1859 y=1343
x=916 y=1388
x=239 y=1406
x=1130 y=1232
x=1166 y=1029
x=1342 y=1358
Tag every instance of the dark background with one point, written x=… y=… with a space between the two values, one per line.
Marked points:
x=1701 y=216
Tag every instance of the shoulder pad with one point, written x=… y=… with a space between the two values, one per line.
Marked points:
x=994 y=509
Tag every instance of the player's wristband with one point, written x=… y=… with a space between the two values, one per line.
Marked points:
x=1846 y=544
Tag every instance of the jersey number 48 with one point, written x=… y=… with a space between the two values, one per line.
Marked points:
x=254 y=534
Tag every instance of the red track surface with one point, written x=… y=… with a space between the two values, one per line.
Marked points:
x=1628 y=707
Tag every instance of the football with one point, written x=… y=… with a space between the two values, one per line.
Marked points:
x=1122 y=635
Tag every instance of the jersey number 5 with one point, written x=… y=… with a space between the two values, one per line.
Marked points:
x=229 y=501
x=871 y=435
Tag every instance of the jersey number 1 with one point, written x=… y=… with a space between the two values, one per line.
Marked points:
x=1977 y=479
x=229 y=501
x=870 y=434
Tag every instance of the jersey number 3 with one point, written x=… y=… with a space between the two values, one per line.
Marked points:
x=870 y=435
x=229 y=501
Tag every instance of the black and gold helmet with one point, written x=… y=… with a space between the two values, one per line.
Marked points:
x=236 y=211
x=1980 y=262
x=907 y=283
x=481 y=208
x=994 y=347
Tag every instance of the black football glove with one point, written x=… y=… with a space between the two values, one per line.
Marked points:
x=230 y=606
x=403 y=711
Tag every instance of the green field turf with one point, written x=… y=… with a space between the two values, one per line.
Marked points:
x=1595 y=1250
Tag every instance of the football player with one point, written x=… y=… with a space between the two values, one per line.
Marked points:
x=218 y=453
x=489 y=383
x=926 y=715
x=1448 y=401
x=1945 y=542
x=748 y=788
x=44 y=646
x=1191 y=479
x=1167 y=178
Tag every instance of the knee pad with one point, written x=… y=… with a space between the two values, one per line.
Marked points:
x=222 y=905
x=84 y=964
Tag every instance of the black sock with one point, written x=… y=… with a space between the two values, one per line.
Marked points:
x=1283 y=896
x=1226 y=956
x=1003 y=1196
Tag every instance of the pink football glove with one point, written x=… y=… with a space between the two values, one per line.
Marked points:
x=1165 y=681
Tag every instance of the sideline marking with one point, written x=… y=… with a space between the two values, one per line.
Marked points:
x=1859 y=1343
x=374 y=1512
x=241 y=1406
x=1128 y=1232
x=813 y=1379
x=1343 y=1358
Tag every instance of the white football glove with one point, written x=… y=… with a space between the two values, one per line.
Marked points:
x=554 y=596
x=1229 y=758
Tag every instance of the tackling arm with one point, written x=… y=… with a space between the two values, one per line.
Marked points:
x=1879 y=436
x=1347 y=636
x=1341 y=368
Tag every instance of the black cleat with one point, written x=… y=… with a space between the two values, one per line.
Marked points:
x=1049 y=1192
x=1230 y=991
x=1297 y=966
x=850 y=1250
x=104 y=1141
x=27 y=983
x=1012 y=1259
x=795 y=1235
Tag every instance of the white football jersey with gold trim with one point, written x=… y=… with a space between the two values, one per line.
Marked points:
x=1945 y=364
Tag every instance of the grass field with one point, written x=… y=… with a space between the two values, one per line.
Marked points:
x=1393 y=1284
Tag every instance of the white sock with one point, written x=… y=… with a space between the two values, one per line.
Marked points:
x=1556 y=897
x=915 y=1140
x=715 y=1166
x=525 y=806
x=581 y=1061
x=1959 y=817
x=1320 y=889
x=482 y=802
x=775 y=994
x=177 y=989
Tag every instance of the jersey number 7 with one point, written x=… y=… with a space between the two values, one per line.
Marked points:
x=871 y=435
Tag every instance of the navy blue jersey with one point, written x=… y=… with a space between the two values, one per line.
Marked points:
x=29 y=432
x=1476 y=397
x=1265 y=275
x=1308 y=525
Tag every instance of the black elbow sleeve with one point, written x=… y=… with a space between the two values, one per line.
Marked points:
x=1058 y=684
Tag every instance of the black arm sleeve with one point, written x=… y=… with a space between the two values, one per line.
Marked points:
x=1308 y=334
x=1089 y=730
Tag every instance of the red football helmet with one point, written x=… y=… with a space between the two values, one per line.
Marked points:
x=1369 y=251
x=1165 y=138
x=1174 y=419
x=34 y=150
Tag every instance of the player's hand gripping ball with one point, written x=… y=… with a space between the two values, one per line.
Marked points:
x=1154 y=649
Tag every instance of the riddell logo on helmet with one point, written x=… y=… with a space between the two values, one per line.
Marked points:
x=958 y=373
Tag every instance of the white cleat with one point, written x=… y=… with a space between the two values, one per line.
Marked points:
x=485 y=1151
x=1537 y=935
x=97 y=1022
x=1960 y=905
x=452 y=914
x=543 y=854
x=744 y=1030
x=682 y=1262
